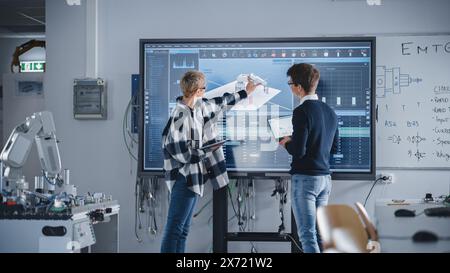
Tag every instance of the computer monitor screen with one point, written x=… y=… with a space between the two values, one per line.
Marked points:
x=346 y=68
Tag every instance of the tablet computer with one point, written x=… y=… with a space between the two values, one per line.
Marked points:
x=214 y=146
x=281 y=126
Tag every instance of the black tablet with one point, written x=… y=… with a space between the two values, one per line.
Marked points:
x=214 y=146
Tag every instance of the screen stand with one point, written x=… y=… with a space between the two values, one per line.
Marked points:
x=221 y=236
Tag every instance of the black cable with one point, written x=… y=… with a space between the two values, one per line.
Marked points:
x=373 y=185
x=239 y=199
x=131 y=105
x=293 y=240
x=237 y=215
x=281 y=191
x=124 y=130
x=136 y=211
x=420 y=213
x=231 y=199
x=245 y=208
x=154 y=190
x=202 y=208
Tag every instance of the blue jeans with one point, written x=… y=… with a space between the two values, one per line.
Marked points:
x=181 y=208
x=307 y=194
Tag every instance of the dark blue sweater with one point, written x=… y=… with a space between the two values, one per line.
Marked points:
x=315 y=136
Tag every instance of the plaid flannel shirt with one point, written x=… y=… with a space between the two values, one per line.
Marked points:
x=187 y=130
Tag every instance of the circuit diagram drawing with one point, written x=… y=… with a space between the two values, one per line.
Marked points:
x=391 y=80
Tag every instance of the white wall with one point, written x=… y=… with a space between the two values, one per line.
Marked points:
x=94 y=150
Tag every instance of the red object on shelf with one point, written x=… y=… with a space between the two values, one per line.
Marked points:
x=11 y=203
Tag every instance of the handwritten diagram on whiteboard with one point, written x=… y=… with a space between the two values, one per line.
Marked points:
x=413 y=101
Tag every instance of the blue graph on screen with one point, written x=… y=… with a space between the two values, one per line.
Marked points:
x=345 y=85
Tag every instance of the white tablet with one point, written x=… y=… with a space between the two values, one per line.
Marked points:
x=281 y=126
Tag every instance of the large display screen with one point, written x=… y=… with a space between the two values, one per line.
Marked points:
x=346 y=68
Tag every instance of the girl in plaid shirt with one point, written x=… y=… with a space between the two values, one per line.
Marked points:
x=192 y=125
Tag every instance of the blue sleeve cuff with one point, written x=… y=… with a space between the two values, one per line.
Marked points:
x=287 y=147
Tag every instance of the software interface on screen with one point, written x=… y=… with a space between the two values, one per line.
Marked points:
x=345 y=82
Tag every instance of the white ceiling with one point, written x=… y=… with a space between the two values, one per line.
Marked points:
x=22 y=16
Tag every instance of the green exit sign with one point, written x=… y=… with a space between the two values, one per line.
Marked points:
x=32 y=66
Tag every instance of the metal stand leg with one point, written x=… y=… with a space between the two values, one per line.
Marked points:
x=220 y=223
x=220 y=228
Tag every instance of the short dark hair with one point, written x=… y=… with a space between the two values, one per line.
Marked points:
x=305 y=75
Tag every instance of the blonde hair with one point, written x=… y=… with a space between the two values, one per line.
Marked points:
x=190 y=82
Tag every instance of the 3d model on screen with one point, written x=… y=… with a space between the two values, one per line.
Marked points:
x=261 y=96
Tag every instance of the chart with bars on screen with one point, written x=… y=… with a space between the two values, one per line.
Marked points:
x=346 y=85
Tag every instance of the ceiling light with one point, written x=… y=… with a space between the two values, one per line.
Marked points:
x=77 y=2
x=373 y=2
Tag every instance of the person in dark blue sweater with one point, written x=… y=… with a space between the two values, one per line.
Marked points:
x=315 y=136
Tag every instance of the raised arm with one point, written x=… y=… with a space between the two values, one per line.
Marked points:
x=218 y=104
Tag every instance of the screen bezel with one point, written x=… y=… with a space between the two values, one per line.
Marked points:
x=370 y=175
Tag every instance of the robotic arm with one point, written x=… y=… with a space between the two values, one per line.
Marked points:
x=39 y=127
x=242 y=80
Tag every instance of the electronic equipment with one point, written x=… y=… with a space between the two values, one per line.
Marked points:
x=213 y=146
x=405 y=213
x=437 y=212
x=89 y=99
x=253 y=150
x=424 y=236
x=52 y=217
x=281 y=127
x=38 y=128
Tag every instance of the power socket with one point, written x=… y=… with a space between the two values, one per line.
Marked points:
x=389 y=176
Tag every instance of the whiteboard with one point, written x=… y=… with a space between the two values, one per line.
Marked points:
x=413 y=102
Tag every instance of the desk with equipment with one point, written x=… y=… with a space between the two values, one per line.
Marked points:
x=412 y=95
x=51 y=217
x=92 y=227
x=413 y=225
